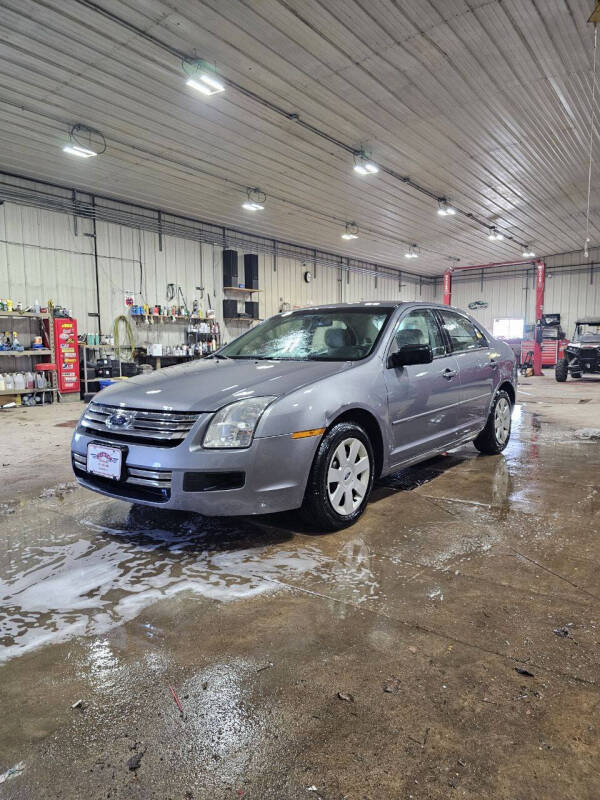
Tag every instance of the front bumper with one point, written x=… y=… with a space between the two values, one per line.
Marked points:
x=275 y=471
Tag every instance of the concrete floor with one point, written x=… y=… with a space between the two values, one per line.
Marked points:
x=445 y=646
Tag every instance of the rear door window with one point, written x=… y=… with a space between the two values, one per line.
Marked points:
x=463 y=335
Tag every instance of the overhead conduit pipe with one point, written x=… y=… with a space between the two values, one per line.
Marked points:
x=540 y=285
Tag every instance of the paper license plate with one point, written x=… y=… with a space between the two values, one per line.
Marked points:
x=104 y=460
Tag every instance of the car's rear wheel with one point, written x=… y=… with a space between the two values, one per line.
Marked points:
x=496 y=434
x=561 y=370
x=340 y=479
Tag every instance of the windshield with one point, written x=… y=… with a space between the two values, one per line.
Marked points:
x=586 y=332
x=336 y=334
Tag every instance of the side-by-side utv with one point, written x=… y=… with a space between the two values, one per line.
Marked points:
x=582 y=354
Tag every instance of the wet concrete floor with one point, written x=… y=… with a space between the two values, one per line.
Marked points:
x=445 y=646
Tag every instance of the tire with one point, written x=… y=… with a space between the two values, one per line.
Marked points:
x=561 y=370
x=331 y=505
x=496 y=434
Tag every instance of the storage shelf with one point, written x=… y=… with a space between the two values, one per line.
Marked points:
x=19 y=353
x=104 y=346
x=171 y=355
x=25 y=391
x=22 y=314
x=242 y=319
x=240 y=289
x=167 y=318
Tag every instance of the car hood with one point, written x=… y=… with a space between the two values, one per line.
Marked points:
x=209 y=384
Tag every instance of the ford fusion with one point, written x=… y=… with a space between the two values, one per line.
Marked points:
x=304 y=411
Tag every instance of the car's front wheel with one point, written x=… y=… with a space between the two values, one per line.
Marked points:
x=494 y=437
x=340 y=479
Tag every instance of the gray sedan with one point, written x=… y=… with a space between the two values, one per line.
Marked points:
x=303 y=411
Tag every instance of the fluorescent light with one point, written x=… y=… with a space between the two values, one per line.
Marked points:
x=494 y=235
x=205 y=84
x=445 y=209
x=528 y=253
x=363 y=166
x=349 y=235
x=255 y=199
x=411 y=252
x=351 y=231
x=211 y=81
x=200 y=87
x=202 y=77
x=78 y=150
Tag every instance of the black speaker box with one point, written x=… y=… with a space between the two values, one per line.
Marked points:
x=230 y=308
x=230 y=268
x=252 y=309
x=251 y=270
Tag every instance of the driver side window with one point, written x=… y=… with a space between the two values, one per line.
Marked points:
x=419 y=327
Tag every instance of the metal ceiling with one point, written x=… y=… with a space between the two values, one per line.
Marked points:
x=485 y=102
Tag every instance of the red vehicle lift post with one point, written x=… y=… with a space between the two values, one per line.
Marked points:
x=540 y=285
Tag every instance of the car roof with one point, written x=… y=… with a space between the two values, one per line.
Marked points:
x=588 y=321
x=375 y=304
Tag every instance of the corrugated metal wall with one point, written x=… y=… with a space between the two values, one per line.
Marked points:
x=572 y=290
x=42 y=258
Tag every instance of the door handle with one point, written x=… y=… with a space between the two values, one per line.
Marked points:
x=493 y=364
x=449 y=373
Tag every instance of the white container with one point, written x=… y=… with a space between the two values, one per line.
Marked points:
x=9 y=381
x=19 y=379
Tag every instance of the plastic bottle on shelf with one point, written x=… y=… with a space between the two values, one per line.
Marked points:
x=36 y=307
x=19 y=380
x=29 y=380
x=2 y=383
x=40 y=380
x=9 y=382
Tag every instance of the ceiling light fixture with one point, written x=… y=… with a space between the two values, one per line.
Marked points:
x=203 y=77
x=256 y=200
x=444 y=208
x=85 y=142
x=412 y=251
x=527 y=253
x=351 y=231
x=494 y=235
x=363 y=165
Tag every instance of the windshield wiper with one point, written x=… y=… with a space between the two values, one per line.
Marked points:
x=218 y=355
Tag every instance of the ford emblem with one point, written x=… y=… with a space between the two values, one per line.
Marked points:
x=120 y=420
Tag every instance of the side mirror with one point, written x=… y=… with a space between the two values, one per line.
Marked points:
x=411 y=354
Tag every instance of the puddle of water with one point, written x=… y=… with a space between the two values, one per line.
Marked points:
x=57 y=586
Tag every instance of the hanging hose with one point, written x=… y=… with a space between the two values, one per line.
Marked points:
x=128 y=331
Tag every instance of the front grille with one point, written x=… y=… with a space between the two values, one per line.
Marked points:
x=155 y=428
x=140 y=483
x=589 y=353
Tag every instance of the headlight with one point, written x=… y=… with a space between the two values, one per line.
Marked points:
x=234 y=425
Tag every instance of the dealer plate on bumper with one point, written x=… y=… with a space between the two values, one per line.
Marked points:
x=104 y=460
